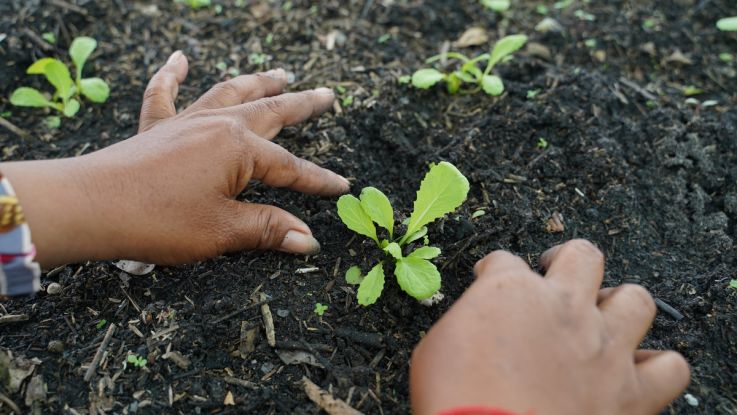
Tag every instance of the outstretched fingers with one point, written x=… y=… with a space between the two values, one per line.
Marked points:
x=162 y=90
x=241 y=89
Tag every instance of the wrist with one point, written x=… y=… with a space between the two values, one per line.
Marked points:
x=62 y=209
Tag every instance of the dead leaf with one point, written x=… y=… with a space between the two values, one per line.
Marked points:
x=326 y=401
x=678 y=57
x=229 y=401
x=134 y=267
x=297 y=357
x=539 y=50
x=473 y=36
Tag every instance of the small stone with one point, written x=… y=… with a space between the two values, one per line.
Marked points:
x=55 y=346
x=282 y=313
x=691 y=400
x=549 y=24
x=267 y=367
x=53 y=289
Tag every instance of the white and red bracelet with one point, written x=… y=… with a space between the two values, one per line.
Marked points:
x=19 y=274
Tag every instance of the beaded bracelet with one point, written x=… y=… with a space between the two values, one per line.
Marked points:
x=19 y=274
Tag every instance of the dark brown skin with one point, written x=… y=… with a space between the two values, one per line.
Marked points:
x=514 y=340
x=556 y=344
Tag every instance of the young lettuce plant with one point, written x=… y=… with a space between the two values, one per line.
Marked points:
x=68 y=90
x=442 y=191
x=469 y=78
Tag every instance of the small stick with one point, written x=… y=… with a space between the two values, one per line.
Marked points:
x=326 y=401
x=240 y=310
x=668 y=309
x=69 y=6
x=10 y=126
x=98 y=355
x=12 y=318
x=236 y=381
x=37 y=40
x=268 y=321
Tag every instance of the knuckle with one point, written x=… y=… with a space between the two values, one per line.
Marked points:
x=639 y=295
x=269 y=228
x=228 y=88
x=583 y=247
x=494 y=257
x=273 y=105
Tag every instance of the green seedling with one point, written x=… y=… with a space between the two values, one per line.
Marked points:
x=542 y=143
x=499 y=6
x=728 y=24
x=542 y=9
x=320 y=309
x=469 y=72
x=441 y=192
x=726 y=57
x=384 y=38
x=49 y=37
x=733 y=284
x=136 y=360
x=533 y=93
x=68 y=91
x=100 y=324
x=196 y=4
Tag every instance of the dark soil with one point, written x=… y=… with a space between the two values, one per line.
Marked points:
x=630 y=165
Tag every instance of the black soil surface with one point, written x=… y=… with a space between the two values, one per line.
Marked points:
x=630 y=165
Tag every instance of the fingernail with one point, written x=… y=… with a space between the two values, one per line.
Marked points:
x=347 y=183
x=278 y=73
x=300 y=243
x=175 y=57
x=326 y=91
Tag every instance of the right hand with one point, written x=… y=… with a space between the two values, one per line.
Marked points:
x=546 y=345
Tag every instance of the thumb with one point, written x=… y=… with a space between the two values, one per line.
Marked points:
x=266 y=227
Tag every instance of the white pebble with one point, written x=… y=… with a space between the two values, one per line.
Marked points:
x=53 y=288
x=691 y=400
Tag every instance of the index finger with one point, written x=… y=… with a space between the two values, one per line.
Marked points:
x=577 y=266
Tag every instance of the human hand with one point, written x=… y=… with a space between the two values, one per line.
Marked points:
x=552 y=345
x=167 y=195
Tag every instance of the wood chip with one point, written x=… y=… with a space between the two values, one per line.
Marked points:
x=248 y=339
x=179 y=359
x=555 y=223
x=473 y=36
x=268 y=321
x=229 y=401
x=12 y=318
x=326 y=401
x=240 y=382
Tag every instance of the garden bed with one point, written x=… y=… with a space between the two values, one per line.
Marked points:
x=629 y=164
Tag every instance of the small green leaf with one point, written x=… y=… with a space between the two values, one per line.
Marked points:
x=58 y=75
x=728 y=24
x=52 y=122
x=733 y=284
x=453 y=82
x=370 y=289
x=81 y=49
x=492 y=85
x=478 y=214
x=355 y=218
x=377 y=206
x=442 y=190
x=353 y=275
x=425 y=78
x=320 y=309
x=425 y=252
x=404 y=79
x=417 y=277
x=496 y=5
x=505 y=47
x=415 y=236
x=29 y=97
x=394 y=250
x=49 y=37
x=95 y=89
x=38 y=67
x=71 y=108
x=100 y=324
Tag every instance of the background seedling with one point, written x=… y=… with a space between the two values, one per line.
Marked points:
x=320 y=309
x=469 y=72
x=68 y=91
x=442 y=191
x=728 y=24
x=136 y=360
x=498 y=6
x=196 y=4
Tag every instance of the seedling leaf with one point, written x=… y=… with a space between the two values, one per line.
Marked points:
x=415 y=236
x=371 y=286
x=71 y=108
x=355 y=218
x=58 y=75
x=80 y=50
x=425 y=78
x=38 y=67
x=394 y=250
x=496 y=5
x=417 y=277
x=377 y=206
x=353 y=275
x=505 y=47
x=728 y=24
x=29 y=97
x=492 y=85
x=425 y=252
x=95 y=89
x=442 y=190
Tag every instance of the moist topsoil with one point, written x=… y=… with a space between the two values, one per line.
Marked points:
x=630 y=165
